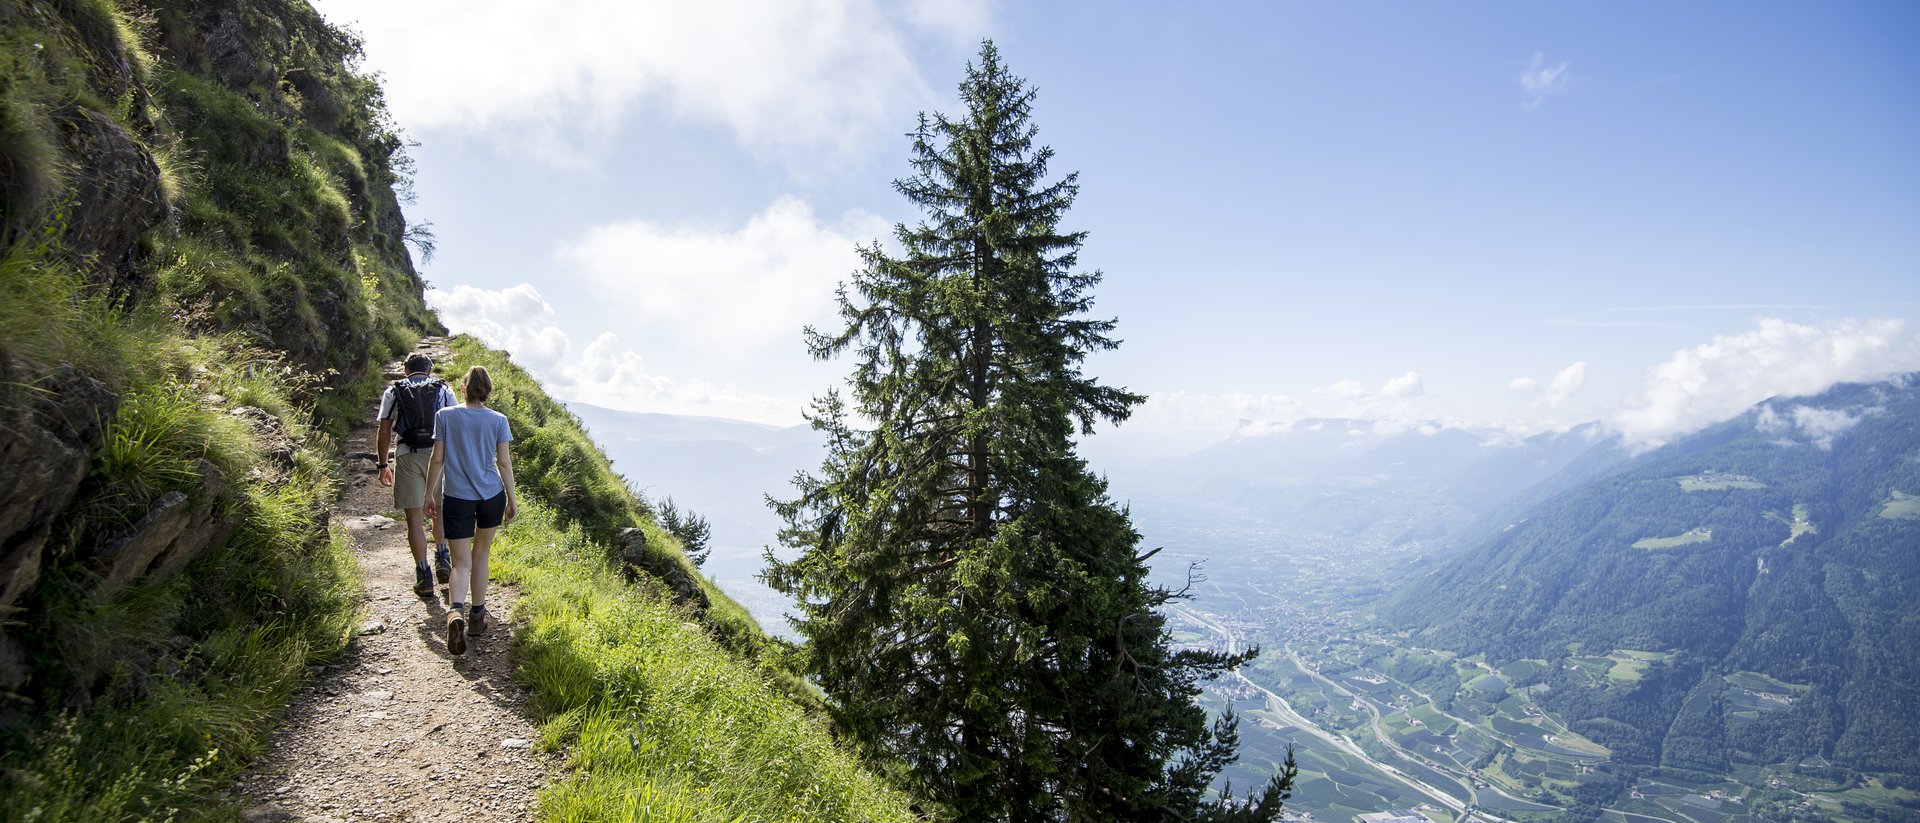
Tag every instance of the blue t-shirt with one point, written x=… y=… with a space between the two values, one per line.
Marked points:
x=471 y=436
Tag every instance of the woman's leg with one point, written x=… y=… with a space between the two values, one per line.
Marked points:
x=482 y=540
x=462 y=551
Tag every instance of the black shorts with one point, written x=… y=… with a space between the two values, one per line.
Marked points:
x=460 y=517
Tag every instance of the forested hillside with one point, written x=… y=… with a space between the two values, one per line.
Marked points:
x=1746 y=595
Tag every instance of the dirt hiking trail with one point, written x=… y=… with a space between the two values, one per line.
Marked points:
x=398 y=729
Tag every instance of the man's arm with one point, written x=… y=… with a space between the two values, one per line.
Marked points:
x=381 y=444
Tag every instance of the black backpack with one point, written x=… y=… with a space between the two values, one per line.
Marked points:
x=414 y=407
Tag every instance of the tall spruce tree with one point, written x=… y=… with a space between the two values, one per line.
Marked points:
x=972 y=601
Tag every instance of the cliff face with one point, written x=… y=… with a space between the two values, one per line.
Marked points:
x=203 y=252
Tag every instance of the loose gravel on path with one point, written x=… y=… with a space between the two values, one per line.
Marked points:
x=398 y=729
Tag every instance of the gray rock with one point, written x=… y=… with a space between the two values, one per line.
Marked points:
x=174 y=531
x=115 y=198
x=277 y=444
x=266 y=813
x=44 y=456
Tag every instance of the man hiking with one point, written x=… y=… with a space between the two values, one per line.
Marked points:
x=407 y=409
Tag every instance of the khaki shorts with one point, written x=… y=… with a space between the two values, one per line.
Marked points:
x=410 y=479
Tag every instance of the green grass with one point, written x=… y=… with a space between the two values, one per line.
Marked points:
x=659 y=720
x=1801 y=522
x=170 y=687
x=1630 y=665
x=558 y=462
x=1901 y=506
x=143 y=704
x=1763 y=683
x=1716 y=481
x=1688 y=538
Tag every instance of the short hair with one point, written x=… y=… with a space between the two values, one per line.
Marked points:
x=419 y=363
x=479 y=384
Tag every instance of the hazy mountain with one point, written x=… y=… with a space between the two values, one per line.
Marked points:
x=1359 y=479
x=1761 y=579
x=721 y=469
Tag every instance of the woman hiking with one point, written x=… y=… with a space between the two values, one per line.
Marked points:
x=470 y=451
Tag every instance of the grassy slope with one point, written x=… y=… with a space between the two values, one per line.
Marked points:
x=139 y=706
x=280 y=280
x=666 y=715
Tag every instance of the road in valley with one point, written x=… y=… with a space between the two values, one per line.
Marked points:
x=1348 y=747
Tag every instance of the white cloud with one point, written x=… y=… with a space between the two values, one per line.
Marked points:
x=1820 y=426
x=729 y=291
x=785 y=77
x=1406 y=385
x=605 y=372
x=1720 y=379
x=1823 y=425
x=1344 y=389
x=1541 y=81
x=1567 y=383
x=1561 y=388
x=702 y=299
x=517 y=319
x=1186 y=412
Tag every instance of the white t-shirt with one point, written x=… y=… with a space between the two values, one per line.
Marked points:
x=390 y=409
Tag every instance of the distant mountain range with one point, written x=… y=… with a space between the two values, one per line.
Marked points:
x=1366 y=481
x=1749 y=594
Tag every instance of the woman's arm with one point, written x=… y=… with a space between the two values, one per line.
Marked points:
x=503 y=457
x=434 y=465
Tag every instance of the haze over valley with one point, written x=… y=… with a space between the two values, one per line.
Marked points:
x=1366 y=560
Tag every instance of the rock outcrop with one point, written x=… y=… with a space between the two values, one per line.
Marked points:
x=115 y=200
x=45 y=455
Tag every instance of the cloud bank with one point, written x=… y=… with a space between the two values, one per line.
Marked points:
x=784 y=77
x=736 y=292
x=605 y=372
x=1717 y=380
x=708 y=299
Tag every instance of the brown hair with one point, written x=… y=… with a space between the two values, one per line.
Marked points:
x=479 y=384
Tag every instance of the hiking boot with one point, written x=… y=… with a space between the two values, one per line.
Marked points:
x=477 y=621
x=422 y=581
x=442 y=564
x=456 y=633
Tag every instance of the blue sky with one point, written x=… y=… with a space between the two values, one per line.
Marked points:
x=1525 y=215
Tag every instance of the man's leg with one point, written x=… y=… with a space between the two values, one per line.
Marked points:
x=417 y=534
x=410 y=496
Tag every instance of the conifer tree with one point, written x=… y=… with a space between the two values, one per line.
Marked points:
x=972 y=602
